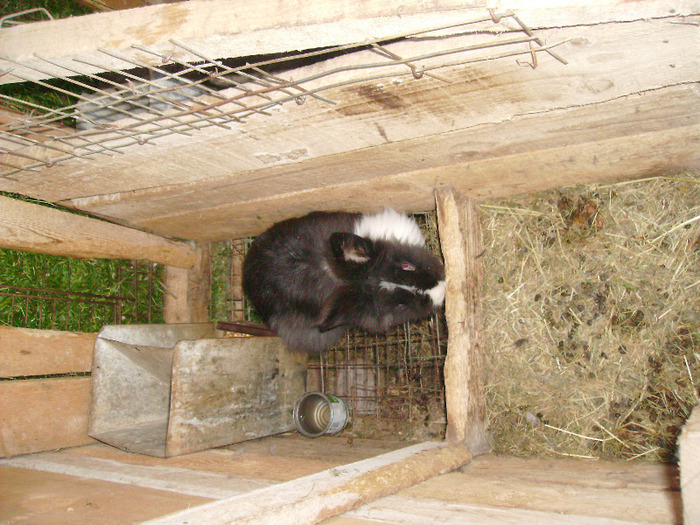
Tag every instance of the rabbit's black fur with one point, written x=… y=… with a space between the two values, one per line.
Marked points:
x=312 y=277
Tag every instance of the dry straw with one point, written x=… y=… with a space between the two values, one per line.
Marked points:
x=592 y=318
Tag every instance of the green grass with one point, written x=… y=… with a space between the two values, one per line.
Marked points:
x=93 y=286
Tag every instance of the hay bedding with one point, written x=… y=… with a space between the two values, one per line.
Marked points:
x=592 y=318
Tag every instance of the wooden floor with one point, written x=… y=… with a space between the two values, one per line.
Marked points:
x=99 y=484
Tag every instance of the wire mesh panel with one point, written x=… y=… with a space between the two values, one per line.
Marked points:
x=392 y=384
x=39 y=291
x=86 y=108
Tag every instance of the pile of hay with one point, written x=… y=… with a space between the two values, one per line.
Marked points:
x=592 y=318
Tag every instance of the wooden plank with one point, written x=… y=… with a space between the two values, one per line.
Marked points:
x=34 y=228
x=275 y=458
x=689 y=448
x=314 y=498
x=465 y=394
x=400 y=510
x=634 y=155
x=188 y=291
x=28 y=496
x=162 y=477
x=221 y=29
x=28 y=352
x=594 y=473
x=43 y=414
x=631 y=504
x=618 y=84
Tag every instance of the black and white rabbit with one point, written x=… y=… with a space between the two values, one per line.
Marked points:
x=313 y=277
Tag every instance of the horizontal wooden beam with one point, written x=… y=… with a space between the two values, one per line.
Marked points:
x=317 y=497
x=28 y=352
x=30 y=227
x=638 y=136
x=43 y=414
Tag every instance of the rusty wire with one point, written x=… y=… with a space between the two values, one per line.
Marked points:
x=163 y=102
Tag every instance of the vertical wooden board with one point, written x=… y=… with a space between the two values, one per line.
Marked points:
x=689 y=445
x=465 y=398
x=43 y=414
x=187 y=291
x=29 y=352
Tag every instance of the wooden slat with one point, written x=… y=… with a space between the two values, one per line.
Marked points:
x=164 y=477
x=28 y=352
x=465 y=391
x=43 y=414
x=645 y=506
x=30 y=227
x=29 y=496
x=689 y=449
x=314 y=498
x=187 y=291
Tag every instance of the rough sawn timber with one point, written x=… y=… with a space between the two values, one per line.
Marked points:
x=33 y=228
x=625 y=106
x=465 y=394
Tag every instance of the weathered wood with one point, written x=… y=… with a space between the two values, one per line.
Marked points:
x=689 y=448
x=43 y=414
x=28 y=352
x=188 y=291
x=221 y=29
x=30 y=227
x=183 y=393
x=317 y=497
x=161 y=477
x=627 y=504
x=28 y=496
x=465 y=395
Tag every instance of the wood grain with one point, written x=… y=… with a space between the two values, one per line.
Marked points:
x=33 y=228
x=465 y=396
x=28 y=352
x=43 y=414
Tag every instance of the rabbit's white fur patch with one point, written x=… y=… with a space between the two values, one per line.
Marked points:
x=390 y=225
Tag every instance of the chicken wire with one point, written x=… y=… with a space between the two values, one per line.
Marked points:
x=140 y=103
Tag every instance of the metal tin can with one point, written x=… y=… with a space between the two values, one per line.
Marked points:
x=316 y=414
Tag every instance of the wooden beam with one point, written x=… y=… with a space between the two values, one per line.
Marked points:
x=312 y=499
x=30 y=227
x=43 y=414
x=219 y=28
x=28 y=352
x=530 y=153
x=465 y=395
x=188 y=291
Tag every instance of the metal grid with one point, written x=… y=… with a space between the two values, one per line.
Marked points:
x=392 y=384
x=140 y=103
x=137 y=298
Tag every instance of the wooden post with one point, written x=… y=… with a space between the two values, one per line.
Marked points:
x=689 y=447
x=187 y=291
x=460 y=238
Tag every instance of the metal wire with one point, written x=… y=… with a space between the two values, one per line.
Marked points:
x=147 y=103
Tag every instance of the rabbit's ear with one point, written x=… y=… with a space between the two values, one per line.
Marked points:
x=350 y=248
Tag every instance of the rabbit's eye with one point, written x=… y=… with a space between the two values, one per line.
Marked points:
x=408 y=267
